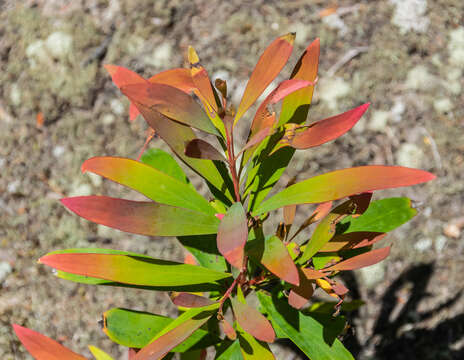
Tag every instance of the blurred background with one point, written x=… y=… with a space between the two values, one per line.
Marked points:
x=58 y=107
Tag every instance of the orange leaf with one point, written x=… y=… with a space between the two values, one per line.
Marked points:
x=360 y=261
x=189 y=300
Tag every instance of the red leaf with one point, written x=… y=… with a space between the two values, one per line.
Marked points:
x=360 y=261
x=320 y=132
x=200 y=149
x=233 y=234
x=300 y=295
x=42 y=347
x=228 y=329
x=268 y=67
x=352 y=240
x=189 y=300
x=278 y=261
x=252 y=321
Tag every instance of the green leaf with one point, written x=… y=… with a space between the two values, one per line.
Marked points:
x=136 y=329
x=315 y=334
x=164 y=162
x=251 y=348
x=229 y=351
x=99 y=354
x=148 y=181
x=138 y=270
x=204 y=248
x=341 y=183
x=381 y=216
x=176 y=332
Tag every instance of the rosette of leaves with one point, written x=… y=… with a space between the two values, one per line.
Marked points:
x=235 y=260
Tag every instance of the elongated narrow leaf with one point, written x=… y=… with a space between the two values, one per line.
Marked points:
x=99 y=354
x=164 y=162
x=354 y=240
x=176 y=332
x=189 y=300
x=233 y=234
x=145 y=179
x=200 y=149
x=228 y=329
x=176 y=136
x=229 y=351
x=315 y=334
x=268 y=67
x=367 y=259
x=204 y=248
x=129 y=269
x=251 y=348
x=319 y=213
x=256 y=139
x=341 y=183
x=252 y=321
x=145 y=218
x=136 y=329
x=300 y=295
x=323 y=131
x=42 y=347
x=277 y=260
x=171 y=102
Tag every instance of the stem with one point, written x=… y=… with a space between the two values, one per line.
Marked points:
x=231 y=288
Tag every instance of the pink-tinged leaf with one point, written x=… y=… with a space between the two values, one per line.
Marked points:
x=354 y=240
x=220 y=216
x=190 y=259
x=149 y=181
x=228 y=329
x=300 y=295
x=312 y=274
x=233 y=234
x=360 y=261
x=189 y=300
x=340 y=289
x=122 y=76
x=256 y=139
x=319 y=213
x=171 y=102
x=131 y=354
x=200 y=149
x=295 y=106
x=278 y=261
x=133 y=112
x=341 y=183
x=144 y=218
x=268 y=67
x=323 y=131
x=252 y=321
x=174 y=334
x=42 y=347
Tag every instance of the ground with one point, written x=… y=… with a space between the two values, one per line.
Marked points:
x=58 y=107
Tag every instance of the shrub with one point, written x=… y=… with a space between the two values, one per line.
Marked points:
x=235 y=260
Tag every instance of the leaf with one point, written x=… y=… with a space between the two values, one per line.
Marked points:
x=268 y=67
x=99 y=354
x=172 y=103
x=229 y=351
x=314 y=334
x=319 y=213
x=382 y=216
x=360 y=261
x=136 y=329
x=228 y=329
x=251 y=348
x=323 y=131
x=149 y=181
x=176 y=332
x=295 y=106
x=164 y=162
x=256 y=139
x=144 y=218
x=233 y=234
x=204 y=248
x=341 y=183
x=42 y=347
x=352 y=240
x=135 y=270
x=252 y=321
x=300 y=295
x=200 y=149
x=189 y=300
x=276 y=259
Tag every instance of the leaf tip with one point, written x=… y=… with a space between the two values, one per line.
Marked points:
x=290 y=37
x=112 y=69
x=192 y=56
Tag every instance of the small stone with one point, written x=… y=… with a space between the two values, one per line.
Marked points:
x=2 y=162
x=104 y=231
x=334 y=21
x=5 y=270
x=58 y=151
x=81 y=190
x=95 y=179
x=373 y=275
x=302 y=32
x=397 y=110
x=423 y=245
x=420 y=78
x=332 y=89
x=456 y=47
x=108 y=119
x=275 y=26
x=410 y=15
x=59 y=44
x=15 y=95
x=117 y=106
x=443 y=106
x=409 y=155
x=37 y=53
x=440 y=243
x=13 y=186
x=161 y=56
x=379 y=120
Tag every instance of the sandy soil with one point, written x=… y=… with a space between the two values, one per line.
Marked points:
x=404 y=56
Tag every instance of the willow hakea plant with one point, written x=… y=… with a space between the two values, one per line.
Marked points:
x=232 y=258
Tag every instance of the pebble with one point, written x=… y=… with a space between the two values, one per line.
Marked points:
x=456 y=47
x=440 y=243
x=5 y=270
x=409 y=155
x=37 y=53
x=15 y=95
x=59 y=44
x=419 y=78
x=58 y=151
x=331 y=90
x=423 y=244
x=13 y=186
x=161 y=56
x=81 y=190
x=95 y=179
x=379 y=120
x=410 y=15
x=117 y=106
x=443 y=105
x=108 y=119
